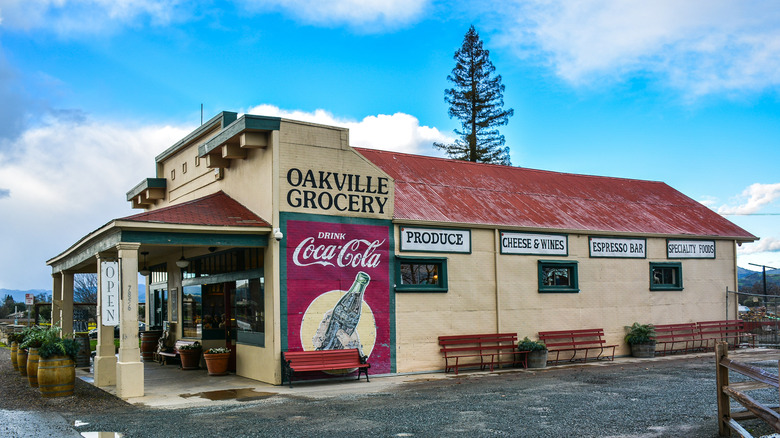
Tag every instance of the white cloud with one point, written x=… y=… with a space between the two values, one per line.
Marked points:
x=398 y=132
x=754 y=199
x=699 y=46
x=365 y=15
x=765 y=245
x=69 y=17
x=64 y=180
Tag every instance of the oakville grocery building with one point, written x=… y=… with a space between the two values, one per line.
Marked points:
x=253 y=229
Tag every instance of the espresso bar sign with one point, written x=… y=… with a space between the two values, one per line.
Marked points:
x=435 y=240
x=528 y=243
x=618 y=248
x=690 y=249
x=343 y=192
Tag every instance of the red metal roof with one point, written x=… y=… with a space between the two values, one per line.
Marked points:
x=444 y=190
x=217 y=209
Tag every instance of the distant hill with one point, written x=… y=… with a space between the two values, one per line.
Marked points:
x=748 y=278
x=19 y=294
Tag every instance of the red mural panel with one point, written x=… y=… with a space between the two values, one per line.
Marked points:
x=338 y=293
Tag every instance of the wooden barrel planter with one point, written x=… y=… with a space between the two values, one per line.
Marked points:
x=56 y=376
x=217 y=363
x=32 y=366
x=14 y=348
x=149 y=340
x=21 y=361
x=82 y=359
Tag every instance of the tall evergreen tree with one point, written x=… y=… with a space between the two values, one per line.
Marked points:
x=477 y=100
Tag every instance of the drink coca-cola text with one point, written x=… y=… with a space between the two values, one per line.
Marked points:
x=355 y=253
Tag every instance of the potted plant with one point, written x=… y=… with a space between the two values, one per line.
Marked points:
x=57 y=365
x=640 y=338
x=536 y=350
x=32 y=342
x=217 y=360
x=190 y=356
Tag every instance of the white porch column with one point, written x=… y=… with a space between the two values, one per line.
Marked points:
x=66 y=315
x=129 y=369
x=56 y=298
x=105 y=358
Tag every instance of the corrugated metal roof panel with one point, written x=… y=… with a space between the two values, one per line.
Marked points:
x=443 y=190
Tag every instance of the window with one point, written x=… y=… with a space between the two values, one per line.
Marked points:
x=666 y=276
x=558 y=276
x=421 y=274
x=191 y=305
x=250 y=311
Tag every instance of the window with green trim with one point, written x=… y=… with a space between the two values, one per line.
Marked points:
x=421 y=274
x=666 y=276
x=558 y=276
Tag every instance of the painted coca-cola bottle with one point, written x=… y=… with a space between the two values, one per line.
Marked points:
x=337 y=329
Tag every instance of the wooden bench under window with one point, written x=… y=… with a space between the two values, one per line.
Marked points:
x=481 y=350
x=678 y=338
x=174 y=353
x=323 y=360
x=572 y=342
x=731 y=331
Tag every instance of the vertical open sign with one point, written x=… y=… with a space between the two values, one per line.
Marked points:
x=109 y=292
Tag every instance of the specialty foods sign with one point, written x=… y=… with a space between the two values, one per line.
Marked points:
x=690 y=249
x=617 y=247
x=530 y=243
x=435 y=240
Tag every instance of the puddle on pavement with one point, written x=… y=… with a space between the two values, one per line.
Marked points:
x=239 y=394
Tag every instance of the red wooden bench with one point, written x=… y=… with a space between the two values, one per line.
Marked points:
x=323 y=360
x=483 y=350
x=731 y=331
x=678 y=338
x=574 y=341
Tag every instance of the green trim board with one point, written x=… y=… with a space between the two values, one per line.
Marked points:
x=221 y=120
x=284 y=217
x=434 y=239
x=247 y=122
x=208 y=239
x=147 y=183
x=557 y=265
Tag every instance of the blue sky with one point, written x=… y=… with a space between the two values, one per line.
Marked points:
x=91 y=91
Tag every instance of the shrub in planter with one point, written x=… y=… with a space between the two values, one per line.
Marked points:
x=217 y=360
x=57 y=367
x=640 y=338
x=190 y=356
x=537 y=352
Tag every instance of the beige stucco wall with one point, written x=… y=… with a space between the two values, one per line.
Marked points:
x=613 y=293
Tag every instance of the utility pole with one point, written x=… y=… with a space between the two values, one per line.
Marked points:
x=763 y=267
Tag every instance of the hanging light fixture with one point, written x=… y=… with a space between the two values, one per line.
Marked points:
x=145 y=271
x=182 y=262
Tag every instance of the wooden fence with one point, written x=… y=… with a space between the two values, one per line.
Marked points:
x=760 y=378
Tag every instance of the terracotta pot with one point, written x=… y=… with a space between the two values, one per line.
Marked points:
x=217 y=363
x=32 y=366
x=14 y=348
x=190 y=359
x=56 y=376
x=21 y=361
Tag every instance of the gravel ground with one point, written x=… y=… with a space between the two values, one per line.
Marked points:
x=650 y=399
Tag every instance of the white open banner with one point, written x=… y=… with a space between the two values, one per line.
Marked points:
x=109 y=292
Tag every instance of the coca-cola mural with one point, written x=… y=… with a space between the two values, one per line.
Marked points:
x=338 y=279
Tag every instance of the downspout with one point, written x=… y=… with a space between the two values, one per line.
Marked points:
x=496 y=252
